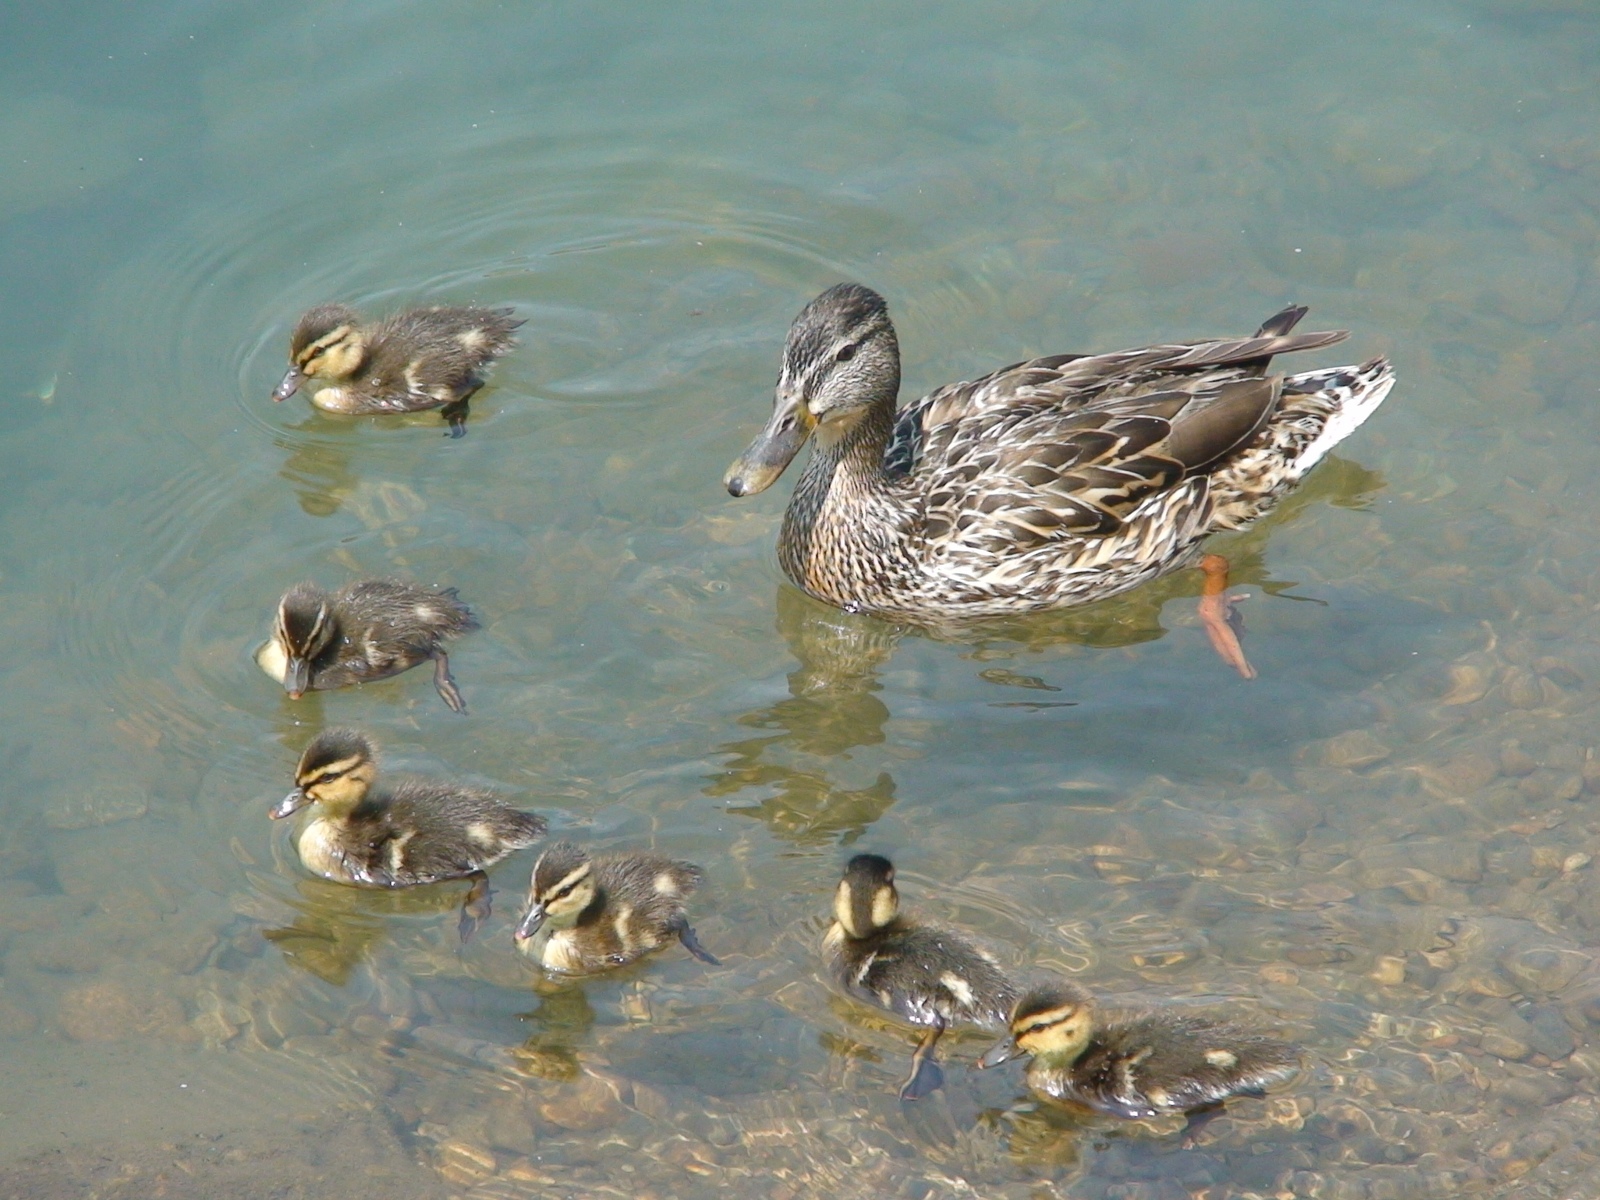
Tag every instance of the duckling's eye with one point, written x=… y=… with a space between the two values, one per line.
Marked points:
x=846 y=353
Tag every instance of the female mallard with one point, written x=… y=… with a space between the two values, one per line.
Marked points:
x=418 y=359
x=1137 y=1063
x=1049 y=483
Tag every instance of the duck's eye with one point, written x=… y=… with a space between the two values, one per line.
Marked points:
x=846 y=353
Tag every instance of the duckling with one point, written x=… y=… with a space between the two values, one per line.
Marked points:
x=926 y=974
x=591 y=914
x=408 y=832
x=1137 y=1063
x=418 y=359
x=364 y=631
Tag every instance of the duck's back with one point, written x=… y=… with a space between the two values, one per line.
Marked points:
x=419 y=831
x=1073 y=477
x=926 y=974
x=387 y=626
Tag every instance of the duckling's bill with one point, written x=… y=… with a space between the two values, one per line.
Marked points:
x=289 y=384
x=1002 y=1051
x=289 y=805
x=530 y=924
x=758 y=467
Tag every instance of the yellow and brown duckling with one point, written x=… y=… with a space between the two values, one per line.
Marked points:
x=592 y=914
x=1044 y=484
x=402 y=833
x=364 y=631
x=1137 y=1063
x=925 y=974
x=418 y=359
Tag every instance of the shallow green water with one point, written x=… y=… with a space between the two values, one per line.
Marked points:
x=1382 y=845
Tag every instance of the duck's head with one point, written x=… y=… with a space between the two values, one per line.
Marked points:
x=1052 y=1022
x=336 y=770
x=840 y=360
x=304 y=627
x=866 y=900
x=328 y=343
x=563 y=886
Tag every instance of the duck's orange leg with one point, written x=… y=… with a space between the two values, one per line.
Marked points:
x=1217 y=614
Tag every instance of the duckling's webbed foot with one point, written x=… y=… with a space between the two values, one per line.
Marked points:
x=444 y=683
x=475 y=907
x=926 y=1074
x=456 y=413
x=1222 y=621
x=691 y=943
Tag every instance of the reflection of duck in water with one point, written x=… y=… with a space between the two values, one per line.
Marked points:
x=364 y=631
x=831 y=709
x=415 y=360
x=924 y=974
x=408 y=832
x=1046 y=484
x=1137 y=1063
x=592 y=914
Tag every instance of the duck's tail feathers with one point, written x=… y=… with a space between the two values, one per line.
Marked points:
x=1354 y=394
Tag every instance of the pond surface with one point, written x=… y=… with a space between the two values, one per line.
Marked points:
x=1383 y=846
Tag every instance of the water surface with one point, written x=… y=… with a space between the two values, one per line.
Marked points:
x=1382 y=846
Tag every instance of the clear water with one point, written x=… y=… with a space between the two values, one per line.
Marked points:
x=1382 y=845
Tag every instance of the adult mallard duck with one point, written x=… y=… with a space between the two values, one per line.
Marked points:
x=406 y=832
x=1137 y=1063
x=1045 y=484
x=925 y=974
x=418 y=359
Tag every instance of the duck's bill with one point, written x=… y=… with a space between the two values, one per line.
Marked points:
x=758 y=468
x=1001 y=1052
x=289 y=805
x=529 y=925
x=289 y=384
x=296 y=677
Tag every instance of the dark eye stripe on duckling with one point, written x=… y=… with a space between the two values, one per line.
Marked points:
x=332 y=338
x=565 y=888
x=334 y=771
x=1045 y=1020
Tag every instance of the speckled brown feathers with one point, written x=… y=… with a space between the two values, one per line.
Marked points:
x=418 y=359
x=1138 y=1063
x=592 y=914
x=1048 y=483
x=365 y=631
x=399 y=832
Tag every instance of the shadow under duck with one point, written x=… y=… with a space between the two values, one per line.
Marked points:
x=925 y=974
x=587 y=915
x=1137 y=1062
x=403 y=832
x=1046 y=484
x=418 y=359
x=365 y=631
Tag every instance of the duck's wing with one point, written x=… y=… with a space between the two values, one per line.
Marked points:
x=1066 y=381
x=1060 y=448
